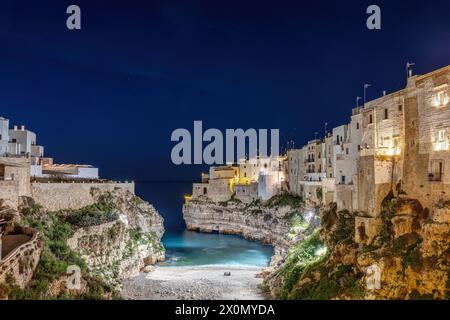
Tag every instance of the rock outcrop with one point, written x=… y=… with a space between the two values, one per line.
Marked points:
x=114 y=238
x=408 y=259
x=122 y=247
x=279 y=221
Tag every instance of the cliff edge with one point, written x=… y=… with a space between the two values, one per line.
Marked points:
x=107 y=241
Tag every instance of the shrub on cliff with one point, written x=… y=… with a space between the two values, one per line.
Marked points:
x=300 y=256
x=285 y=199
x=103 y=211
x=56 y=256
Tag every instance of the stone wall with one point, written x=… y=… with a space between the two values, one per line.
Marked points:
x=9 y=191
x=57 y=196
x=21 y=262
x=416 y=163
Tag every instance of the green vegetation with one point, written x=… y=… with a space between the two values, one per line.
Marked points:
x=232 y=199
x=55 y=229
x=138 y=239
x=319 y=193
x=102 y=211
x=341 y=281
x=300 y=256
x=298 y=223
x=344 y=230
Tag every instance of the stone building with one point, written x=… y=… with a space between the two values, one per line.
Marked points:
x=4 y=135
x=405 y=138
x=295 y=170
x=426 y=161
x=247 y=193
x=14 y=179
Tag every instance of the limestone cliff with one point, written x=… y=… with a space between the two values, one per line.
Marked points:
x=109 y=240
x=279 y=221
x=409 y=259
x=123 y=244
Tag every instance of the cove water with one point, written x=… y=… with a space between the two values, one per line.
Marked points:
x=187 y=248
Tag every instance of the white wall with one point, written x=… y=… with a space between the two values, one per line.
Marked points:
x=24 y=138
x=4 y=135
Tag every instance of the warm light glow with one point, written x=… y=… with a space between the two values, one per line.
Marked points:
x=441 y=143
x=440 y=99
x=310 y=215
x=187 y=197
x=320 y=251
x=390 y=152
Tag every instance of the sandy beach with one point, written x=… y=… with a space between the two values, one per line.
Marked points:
x=195 y=283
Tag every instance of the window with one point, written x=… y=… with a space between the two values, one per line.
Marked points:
x=370 y=119
x=441 y=141
x=343 y=179
x=441 y=135
x=357 y=126
x=346 y=151
x=437 y=170
x=205 y=190
x=440 y=99
x=400 y=108
x=386 y=114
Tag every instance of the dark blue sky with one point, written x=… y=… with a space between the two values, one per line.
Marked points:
x=112 y=93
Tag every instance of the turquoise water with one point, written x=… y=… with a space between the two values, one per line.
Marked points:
x=192 y=248
x=186 y=248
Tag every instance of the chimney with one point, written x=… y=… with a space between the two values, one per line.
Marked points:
x=410 y=73
x=22 y=128
x=384 y=93
x=15 y=128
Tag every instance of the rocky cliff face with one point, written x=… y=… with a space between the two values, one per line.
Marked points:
x=112 y=239
x=409 y=259
x=121 y=246
x=278 y=222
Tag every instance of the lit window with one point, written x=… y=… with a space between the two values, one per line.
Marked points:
x=441 y=141
x=440 y=99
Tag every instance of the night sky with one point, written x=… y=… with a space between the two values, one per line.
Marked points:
x=112 y=93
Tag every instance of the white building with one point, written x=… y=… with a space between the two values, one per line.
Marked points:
x=21 y=140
